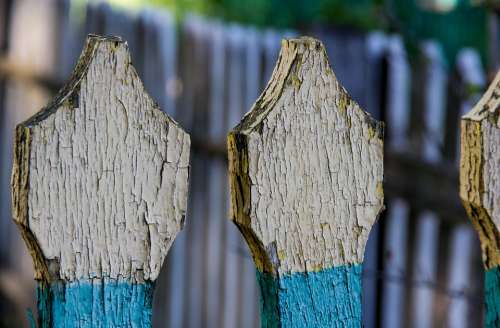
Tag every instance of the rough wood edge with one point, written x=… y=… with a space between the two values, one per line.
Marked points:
x=240 y=197
x=46 y=270
x=471 y=171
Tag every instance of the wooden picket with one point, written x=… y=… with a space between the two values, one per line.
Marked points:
x=480 y=188
x=99 y=192
x=306 y=172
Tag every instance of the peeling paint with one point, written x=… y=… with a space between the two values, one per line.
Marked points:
x=326 y=298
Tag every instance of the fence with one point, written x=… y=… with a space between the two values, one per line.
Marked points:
x=209 y=273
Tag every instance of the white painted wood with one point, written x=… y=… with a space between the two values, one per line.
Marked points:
x=435 y=75
x=425 y=269
x=167 y=48
x=395 y=259
x=459 y=275
x=398 y=94
x=302 y=128
x=217 y=213
x=159 y=56
x=217 y=183
x=217 y=131
x=107 y=173
x=179 y=279
x=235 y=35
x=195 y=250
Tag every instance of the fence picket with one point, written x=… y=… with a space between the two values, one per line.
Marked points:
x=306 y=169
x=253 y=78
x=395 y=259
x=425 y=267
x=434 y=86
x=398 y=95
x=99 y=192
x=480 y=188
x=235 y=102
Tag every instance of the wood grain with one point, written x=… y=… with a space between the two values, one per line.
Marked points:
x=99 y=192
x=306 y=171
x=480 y=187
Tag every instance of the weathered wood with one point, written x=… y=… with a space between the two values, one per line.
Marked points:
x=99 y=192
x=480 y=188
x=306 y=170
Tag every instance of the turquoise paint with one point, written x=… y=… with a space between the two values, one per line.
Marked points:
x=86 y=304
x=492 y=297
x=328 y=298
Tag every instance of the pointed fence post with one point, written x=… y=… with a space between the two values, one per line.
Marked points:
x=99 y=188
x=306 y=171
x=480 y=188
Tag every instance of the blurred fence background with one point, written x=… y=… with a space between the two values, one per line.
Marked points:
x=422 y=262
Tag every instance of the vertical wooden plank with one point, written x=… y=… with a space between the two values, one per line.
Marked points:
x=493 y=41
x=271 y=40
x=113 y=21
x=430 y=106
x=394 y=264
x=434 y=86
x=152 y=58
x=306 y=167
x=235 y=108
x=459 y=276
x=251 y=78
x=472 y=81
x=95 y=17
x=167 y=48
x=480 y=188
x=5 y=15
x=99 y=192
x=375 y=98
x=216 y=185
x=376 y=73
x=195 y=250
x=425 y=268
x=178 y=280
x=398 y=95
x=26 y=43
x=5 y=22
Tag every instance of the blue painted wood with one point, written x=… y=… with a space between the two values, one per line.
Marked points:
x=100 y=303
x=326 y=298
x=492 y=297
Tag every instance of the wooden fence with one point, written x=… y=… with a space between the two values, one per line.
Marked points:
x=421 y=257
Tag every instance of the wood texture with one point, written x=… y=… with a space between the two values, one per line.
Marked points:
x=306 y=171
x=100 y=178
x=480 y=187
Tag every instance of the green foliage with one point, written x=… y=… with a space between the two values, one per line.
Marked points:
x=464 y=26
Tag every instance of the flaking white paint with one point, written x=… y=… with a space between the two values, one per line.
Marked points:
x=315 y=166
x=108 y=173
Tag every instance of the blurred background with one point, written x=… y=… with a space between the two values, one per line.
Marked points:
x=418 y=65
